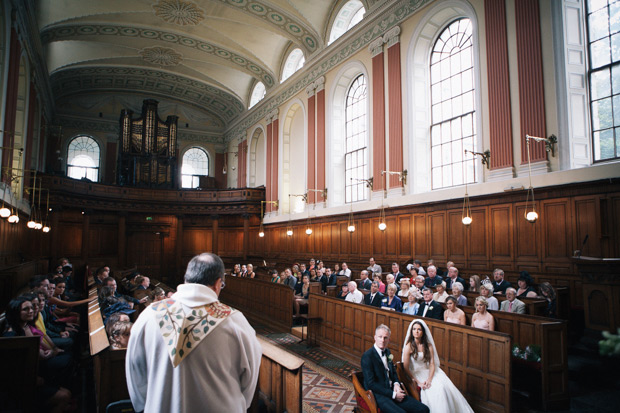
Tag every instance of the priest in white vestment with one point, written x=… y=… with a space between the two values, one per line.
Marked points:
x=192 y=353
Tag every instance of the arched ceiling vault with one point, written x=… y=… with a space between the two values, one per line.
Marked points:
x=205 y=54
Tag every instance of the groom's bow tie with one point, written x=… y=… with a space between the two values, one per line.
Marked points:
x=382 y=353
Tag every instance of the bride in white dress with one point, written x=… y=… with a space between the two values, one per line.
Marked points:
x=421 y=359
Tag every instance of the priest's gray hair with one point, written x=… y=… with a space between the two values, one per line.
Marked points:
x=204 y=269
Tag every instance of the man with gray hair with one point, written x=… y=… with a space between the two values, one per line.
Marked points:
x=355 y=295
x=380 y=376
x=191 y=352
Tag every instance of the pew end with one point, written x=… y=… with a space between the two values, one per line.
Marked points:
x=19 y=357
x=366 y=402
x=405 y=378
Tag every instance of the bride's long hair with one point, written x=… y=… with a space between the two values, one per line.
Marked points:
x=423 y=340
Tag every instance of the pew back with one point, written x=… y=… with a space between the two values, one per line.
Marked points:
x=19 y=358
x=477 y=361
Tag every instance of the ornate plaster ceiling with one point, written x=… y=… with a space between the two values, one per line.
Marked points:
x=203 y=54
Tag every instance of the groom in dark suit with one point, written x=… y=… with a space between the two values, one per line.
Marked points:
x=380 y=376
x=430 y=308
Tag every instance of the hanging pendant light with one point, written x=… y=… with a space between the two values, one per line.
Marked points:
x=382 y=224
x=4 y=211
x=530 y=214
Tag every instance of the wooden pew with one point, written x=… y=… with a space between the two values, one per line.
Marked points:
x=19 y=358
x=279 y=381
x=477 y=361
x=548 y=333
x=109 y=365
x=260 y=300
x=14 y=278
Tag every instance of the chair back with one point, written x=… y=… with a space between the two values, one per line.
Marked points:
x=365 y=399
x=405 y=378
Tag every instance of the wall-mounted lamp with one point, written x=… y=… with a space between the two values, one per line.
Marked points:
x=308 y=227
x=550 y=143
x=261 y=230
x=485 y=157
x=4 y=211
x=367 y=181
x=402 y=177
x=382 y=224
x=225 y=168
x=530 y=213
x=321 y=191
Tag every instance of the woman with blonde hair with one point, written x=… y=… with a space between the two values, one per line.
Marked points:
x=482 y=318
x=421 y=360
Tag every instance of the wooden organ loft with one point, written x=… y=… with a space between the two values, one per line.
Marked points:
x=148 y=149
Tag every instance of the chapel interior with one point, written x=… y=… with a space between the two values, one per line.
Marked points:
x=136 y=134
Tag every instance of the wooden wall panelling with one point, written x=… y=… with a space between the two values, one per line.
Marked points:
x=436 y=232
x=614 y=229
x=420 y=240
x=405 y=245
x=365 y=237
x=587 y=223
x=334 y=252
x=557 y=235
x=196 y=240
x=378 y=240
x=456 y=238
x=391 y=239
x=527 y=242
x=345 y=239
x=501 y=234
x=103 y=239
x=476 y=236
x=71 y=239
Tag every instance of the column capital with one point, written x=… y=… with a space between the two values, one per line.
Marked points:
x=271 y=116
x=319 y=84
x=376 y=47
x=391 y=37
x=310 y=90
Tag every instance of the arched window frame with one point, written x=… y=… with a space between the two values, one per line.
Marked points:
x=356 y=140
x=431 y=25
x=294 y=61
x=191 y=181
x=335 y=32
x=77 y=171
x=258 y=89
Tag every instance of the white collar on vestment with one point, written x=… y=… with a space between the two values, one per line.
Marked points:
x=194 y=295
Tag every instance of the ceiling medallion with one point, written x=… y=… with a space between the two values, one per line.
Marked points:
x=163 y=56
x=179 y=12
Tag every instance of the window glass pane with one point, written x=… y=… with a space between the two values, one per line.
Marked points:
x=600 y=52
x=355 y=139
x=349 y=15
x=607 y=144
x=601 y=114
x=600 y=83
x=599 y=24
x=257 y=94
x=83 y=157
x=451 y=64
x=195 y=163
x=594 y=5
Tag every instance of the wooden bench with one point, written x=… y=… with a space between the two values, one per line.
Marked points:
x=19 y=358
x=279 y=380
x=533 y=306
x=14 y=278
x=477 y=361
x=108 y=364
x=260 y=300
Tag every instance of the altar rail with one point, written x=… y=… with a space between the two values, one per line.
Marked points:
x=477 y=361
x=260 y=300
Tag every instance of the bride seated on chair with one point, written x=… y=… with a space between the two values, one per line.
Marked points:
x=421 y=360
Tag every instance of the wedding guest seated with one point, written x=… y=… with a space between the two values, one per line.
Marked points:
x=50 y=394
x=441 y=294
x=482 y=318
x=454 y=314
x=374 y=268
x=392 y=301
x=413 y=272
x=236 y=270
x=364 y=281
x=500 y=285
x=474 y=283
x=429 y=308
x=512 y=304
x=275 y=278
x=486 y=291
x=411 y=306
x=111 y=282
x=65 y=344
x=421 y=360
x=457 y=292
x=288 y=278
x=301 y=296
x=354 y=296
x=298 y=275
x=405 y=287
x=157 y=295
x=419 y=283
x=345 y=270
x=58 y=333
x=375 y=298
x=251 y=273
x=324 y=280
x=244 y=271
x=311 y=264
x=380 y=376
x=337 y=269
x=61 y=312
x=548 y=293
x=320 y=267
x=331 y=277
x=433 y=279
x=314 y=277
x=453 y=276
x=113 y=319
x=121 y=330
x=396 y=273
x=377 y=278
x=390 y=280
x=342 y=294
x=417 y=264
x=143 y=283
x=526 y=286
x=110 y=304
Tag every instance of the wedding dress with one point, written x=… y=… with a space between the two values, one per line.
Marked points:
x=442 y=396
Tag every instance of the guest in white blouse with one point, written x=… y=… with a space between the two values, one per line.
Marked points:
x=486 y=290
x=441 y=294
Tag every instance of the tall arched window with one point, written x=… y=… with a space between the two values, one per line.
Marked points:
x=348 y=16
x=257 y=94
x=294 y=62
x=195 y=164
x=604 y=51
x=453 y=121
x=356 y=145
x=83 y=157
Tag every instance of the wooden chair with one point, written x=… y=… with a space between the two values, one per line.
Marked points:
x=405 y=378
x=366 y=402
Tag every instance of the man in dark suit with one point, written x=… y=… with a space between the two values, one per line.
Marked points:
x=380 y=376
x=364 y=281
x=430 y=308
x=500 y=285
x=375 y=297
x=396 y=273
x=453 y=277
x=331 y=276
